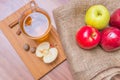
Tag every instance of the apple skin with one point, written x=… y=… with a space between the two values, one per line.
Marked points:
x=88 y=37
x=110 y=39
x=97 y=16
x=115 y=19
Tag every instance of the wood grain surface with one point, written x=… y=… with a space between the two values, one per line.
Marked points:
x=38 y=68
x=12 y=67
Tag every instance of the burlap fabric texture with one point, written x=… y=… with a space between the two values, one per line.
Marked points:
x=95 y=64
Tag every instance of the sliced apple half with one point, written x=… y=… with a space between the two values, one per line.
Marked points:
x=51 y=56
x=42 y=49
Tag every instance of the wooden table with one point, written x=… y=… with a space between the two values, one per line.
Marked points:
x=11 y=66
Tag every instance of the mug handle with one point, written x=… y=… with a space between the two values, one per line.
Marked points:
x=33 y=5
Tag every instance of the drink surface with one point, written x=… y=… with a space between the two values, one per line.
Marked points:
x=37 y=24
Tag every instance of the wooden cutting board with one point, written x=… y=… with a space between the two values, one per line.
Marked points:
x=33 y=63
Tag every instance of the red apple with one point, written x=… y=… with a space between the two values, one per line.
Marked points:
x=115 y=19
x=88 y=37
x=110 y=39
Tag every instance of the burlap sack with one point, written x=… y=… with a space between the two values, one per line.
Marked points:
x=95 y=64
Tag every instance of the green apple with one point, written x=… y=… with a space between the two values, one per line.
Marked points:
x=97 y=16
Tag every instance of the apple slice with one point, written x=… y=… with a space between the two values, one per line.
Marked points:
x=51 y=56
x=42 y=49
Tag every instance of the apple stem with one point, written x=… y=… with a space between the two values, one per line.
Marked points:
x=99 y=14
x=93 y=35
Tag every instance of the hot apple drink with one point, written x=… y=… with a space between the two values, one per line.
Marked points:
x=35 y=24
